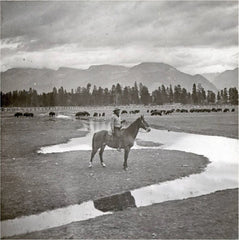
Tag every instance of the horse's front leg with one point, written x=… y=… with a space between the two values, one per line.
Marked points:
x=126 y=154
x=101 y=155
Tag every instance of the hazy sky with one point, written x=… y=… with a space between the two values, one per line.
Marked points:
x=193 y=36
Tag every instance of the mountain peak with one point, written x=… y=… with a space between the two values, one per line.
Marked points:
x=227 y=79
x=106 y=67
x=153 y=67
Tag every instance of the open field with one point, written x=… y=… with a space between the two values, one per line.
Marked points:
x=216 y=124
x=32 y=182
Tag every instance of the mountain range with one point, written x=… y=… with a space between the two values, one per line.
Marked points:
x=150 y=74
x=226 y=79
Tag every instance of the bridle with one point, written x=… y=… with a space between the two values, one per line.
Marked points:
x=144 y=125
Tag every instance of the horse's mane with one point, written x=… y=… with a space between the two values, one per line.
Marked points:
x=131 y=126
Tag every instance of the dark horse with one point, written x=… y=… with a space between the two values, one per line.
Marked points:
x=102 y=138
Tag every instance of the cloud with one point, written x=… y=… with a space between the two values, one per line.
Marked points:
x=190 y=60
x=81 y=33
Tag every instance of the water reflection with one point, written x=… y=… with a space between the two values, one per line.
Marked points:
x=116 y=202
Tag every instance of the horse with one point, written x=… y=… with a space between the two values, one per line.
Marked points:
x=102 y=138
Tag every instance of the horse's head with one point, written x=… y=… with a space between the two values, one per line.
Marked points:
x=144 y=124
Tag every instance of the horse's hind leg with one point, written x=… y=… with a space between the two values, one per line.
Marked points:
x=93 y=152
x=101 y=155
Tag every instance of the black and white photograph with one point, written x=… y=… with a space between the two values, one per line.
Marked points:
x=119 y=119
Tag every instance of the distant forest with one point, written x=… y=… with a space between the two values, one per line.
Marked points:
x=118 y=95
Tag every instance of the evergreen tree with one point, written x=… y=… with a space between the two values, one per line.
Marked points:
x=194 y=94
x=126 y=96
x=211 y=97
x=218 y=97
x=34 y=99
x=171 y=94
x=183 y=97
x=144 y=95
x=94 y=96
x=164 y=95
x=118 y=92
x=157 y=96
x=177 y=94
x=233 y=96
x=225 y=96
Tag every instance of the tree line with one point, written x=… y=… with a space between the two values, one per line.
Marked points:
x=118 y=95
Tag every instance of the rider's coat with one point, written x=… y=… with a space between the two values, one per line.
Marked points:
x=115 y=122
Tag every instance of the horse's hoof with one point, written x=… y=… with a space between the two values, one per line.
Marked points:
x=90 y=165
x=126 y=168
x=103 y=165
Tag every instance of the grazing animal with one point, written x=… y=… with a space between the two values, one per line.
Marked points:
x=102 y=138
x=52 y=114
x=134 y=111
x=95 y=114
x=226 y=110
x=169 y=111
x=233 y=110
x=184 y=111
x=26 y=114
x=103 y=114
x=156 y=113
x=82 y=114
x=124 y=112
x=18 y=114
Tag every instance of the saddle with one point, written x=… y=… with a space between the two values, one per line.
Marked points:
x=110 y=131
x=112 y=138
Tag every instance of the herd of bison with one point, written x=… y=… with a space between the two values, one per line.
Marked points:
x=153 y=112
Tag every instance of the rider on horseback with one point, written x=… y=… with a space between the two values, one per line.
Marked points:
x=116 y=125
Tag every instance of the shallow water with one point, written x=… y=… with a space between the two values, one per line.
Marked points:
x=49 y=219
x=220 y=174
x=63 y=116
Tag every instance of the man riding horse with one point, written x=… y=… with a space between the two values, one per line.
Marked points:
x=127 y=136
x=116 y=125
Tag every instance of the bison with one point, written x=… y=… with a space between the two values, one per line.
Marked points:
x=82 y=114
x=26 y=114
x=52 y=114
x=18 y=114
